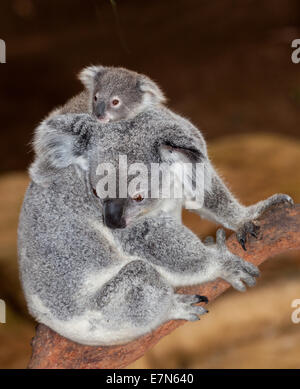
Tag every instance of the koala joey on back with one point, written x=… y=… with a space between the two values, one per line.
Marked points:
x=113 y=94
x=103 y=271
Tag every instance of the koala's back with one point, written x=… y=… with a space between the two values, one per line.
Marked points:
x=59 y=247
x=79 y=103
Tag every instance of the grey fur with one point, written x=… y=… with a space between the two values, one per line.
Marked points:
x=135 y=93
x=99 y=286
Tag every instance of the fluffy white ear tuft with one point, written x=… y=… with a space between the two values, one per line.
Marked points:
x=88 y=75
x=57 y=145
x=152 y=89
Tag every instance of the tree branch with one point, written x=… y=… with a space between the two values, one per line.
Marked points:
x=280 y=231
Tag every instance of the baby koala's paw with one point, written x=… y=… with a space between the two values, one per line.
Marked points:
x=234 y=269
x=82 y=123
x=75 y=124
x=185 y=308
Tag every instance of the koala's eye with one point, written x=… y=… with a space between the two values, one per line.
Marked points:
x=95 y=98
x=138 y=198
x=115 y=102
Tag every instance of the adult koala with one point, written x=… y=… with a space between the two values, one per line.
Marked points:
x=103 y=271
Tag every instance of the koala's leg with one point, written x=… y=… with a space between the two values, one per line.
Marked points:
x=137 y=300
x=136 y=297
x=181 y=258
x=221 y=206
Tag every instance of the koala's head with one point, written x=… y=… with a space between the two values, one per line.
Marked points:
x=119 y=175
x=115 y=160
x=117 y=93
x=122 y=209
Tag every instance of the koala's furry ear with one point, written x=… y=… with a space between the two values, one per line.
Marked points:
x=57 y=145
x=149 y=87
x=190 y=169
x=88 y=75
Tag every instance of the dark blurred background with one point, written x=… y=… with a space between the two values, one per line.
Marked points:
x=224 y=64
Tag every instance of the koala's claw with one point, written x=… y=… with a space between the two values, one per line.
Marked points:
x=194 y=312
x=248 y=228
x=243 y=243
x=202 y=299
x=191 y=298
x=185 y=309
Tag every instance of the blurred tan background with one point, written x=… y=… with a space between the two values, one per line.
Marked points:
x=227 y=66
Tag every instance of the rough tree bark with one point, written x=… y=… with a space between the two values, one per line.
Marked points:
x=280 y=231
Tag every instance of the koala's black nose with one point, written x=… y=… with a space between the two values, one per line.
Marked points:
x=113 y=213
x=100 y=109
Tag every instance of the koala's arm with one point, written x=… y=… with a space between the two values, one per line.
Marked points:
x=215 y=202
x=181 y=258
x=221 y=206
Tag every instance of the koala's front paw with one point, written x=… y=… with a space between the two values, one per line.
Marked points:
x=234 y=269
x=185 y=309
x=251 y=226
x=278 y=198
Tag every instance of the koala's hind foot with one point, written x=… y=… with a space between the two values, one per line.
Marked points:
x=251 y=226
x=184 y=307
x=234 y=269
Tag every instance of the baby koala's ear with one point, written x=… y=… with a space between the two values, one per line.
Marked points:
x=88 y=75
x=150 y=88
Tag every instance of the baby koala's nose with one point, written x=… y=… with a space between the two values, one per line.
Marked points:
x=100 y=109
x=113 y=210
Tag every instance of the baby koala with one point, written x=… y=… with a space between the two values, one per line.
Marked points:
x=114 y=94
